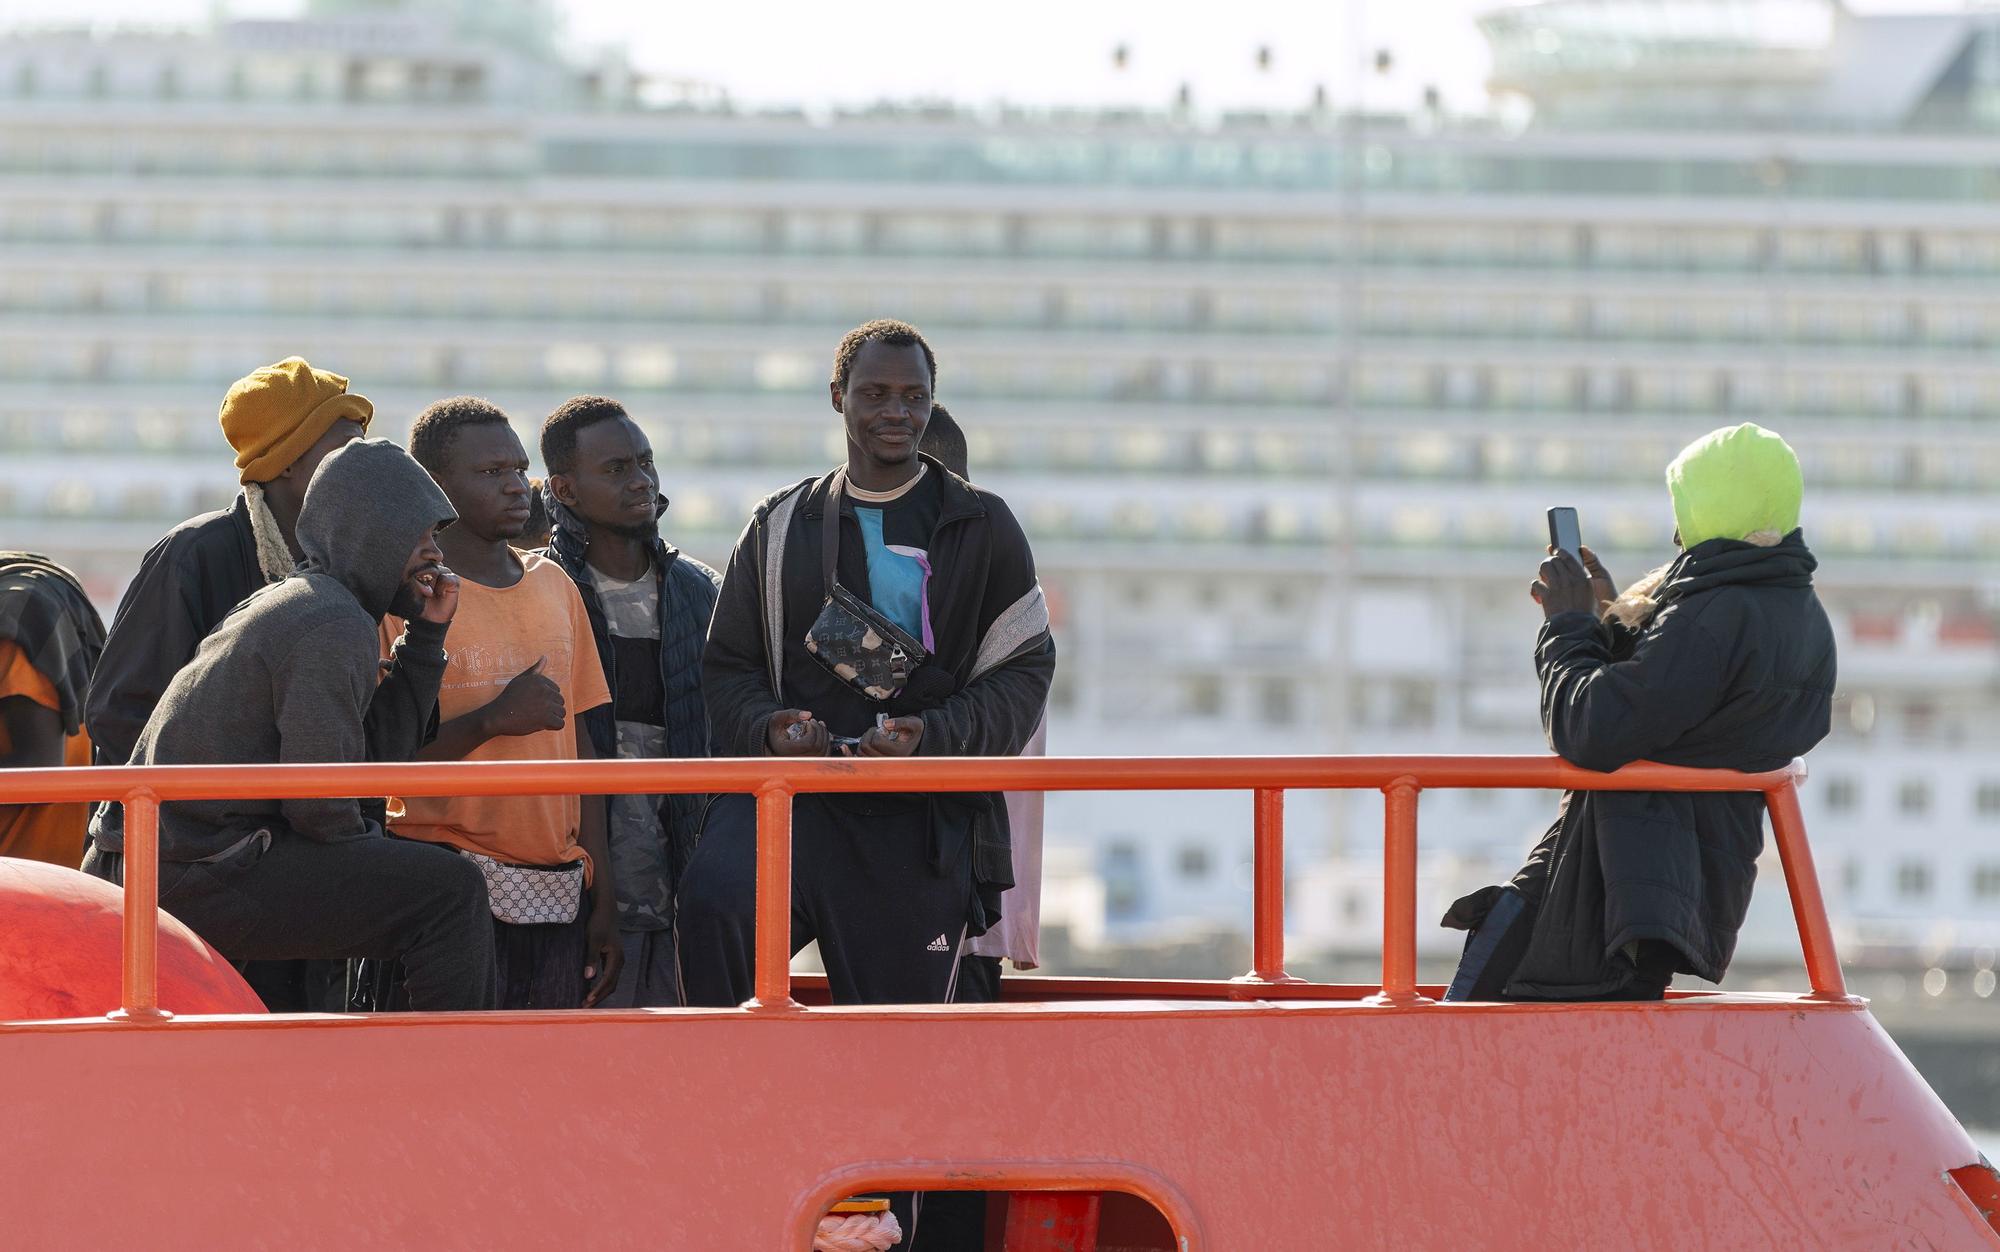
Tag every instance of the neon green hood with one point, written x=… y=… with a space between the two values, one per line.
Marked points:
x=1735 y=482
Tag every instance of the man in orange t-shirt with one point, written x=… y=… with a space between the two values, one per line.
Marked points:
x=50 y=638
x=522 y=669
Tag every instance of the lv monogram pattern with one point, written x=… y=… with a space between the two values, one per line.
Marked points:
x=862 y=650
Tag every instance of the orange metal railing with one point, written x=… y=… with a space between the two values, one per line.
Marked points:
x=774 y=782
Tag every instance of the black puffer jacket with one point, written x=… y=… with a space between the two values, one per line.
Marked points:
x=649 y=877
x=1734 y=670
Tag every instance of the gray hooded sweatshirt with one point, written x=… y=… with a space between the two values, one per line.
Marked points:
x=288 y=676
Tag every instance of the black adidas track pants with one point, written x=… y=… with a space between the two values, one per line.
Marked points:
x=890 y=923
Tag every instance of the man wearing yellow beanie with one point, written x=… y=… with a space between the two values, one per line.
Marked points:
x=282 y=420
x=1722 y=659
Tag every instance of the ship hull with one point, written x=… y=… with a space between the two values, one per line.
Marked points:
x=1718 y=1121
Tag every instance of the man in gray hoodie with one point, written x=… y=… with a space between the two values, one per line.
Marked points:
x=288 y=677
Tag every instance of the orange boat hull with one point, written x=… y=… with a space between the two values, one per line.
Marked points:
x=1712 y=1121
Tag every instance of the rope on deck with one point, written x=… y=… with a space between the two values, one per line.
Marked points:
x=857 y=1232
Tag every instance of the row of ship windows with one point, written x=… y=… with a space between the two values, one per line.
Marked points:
x=1133 y=688
x=1142 y=446
x=1221 y=376
x=1121 y=447
x=382 y=221
x=1052 y=514
x=1123 y=864
x=1915 y=797
x=1025 y=156
x=1801 y=319
x=1916 y=880
x=221 y=74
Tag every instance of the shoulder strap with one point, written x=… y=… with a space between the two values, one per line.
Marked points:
x=777 y=531
x=829 y=531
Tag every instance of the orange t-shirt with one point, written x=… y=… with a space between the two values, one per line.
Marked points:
x=496 y=633
x=40 y=832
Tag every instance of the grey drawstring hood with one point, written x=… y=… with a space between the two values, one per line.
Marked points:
x=292 y=674
x=366 y=508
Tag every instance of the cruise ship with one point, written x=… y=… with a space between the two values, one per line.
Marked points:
x=1281 y=397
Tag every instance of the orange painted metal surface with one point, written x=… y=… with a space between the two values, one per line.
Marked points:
x=1267 y=952
x=61 y=933
x=775 y=781
x=1724 y=1122
x=141 y=980
x=1399 y=891
x=1272 y=1114
x=1053 y=1221
x=1980 y=1184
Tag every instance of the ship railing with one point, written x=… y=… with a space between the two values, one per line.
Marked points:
x=775 y=782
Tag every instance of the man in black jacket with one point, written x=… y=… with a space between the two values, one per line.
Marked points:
x=890 y=885
x=1722 y=659
x=282 y=420
x=649 y=607
x=287 y=679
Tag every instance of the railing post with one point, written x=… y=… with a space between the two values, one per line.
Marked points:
x=773 y=969
x=1399 y=895
x=140 y=979
x=1802 y=881
x=1267 y=941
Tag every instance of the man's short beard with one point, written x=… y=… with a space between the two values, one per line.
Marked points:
x=631 y=530
x=407 y=604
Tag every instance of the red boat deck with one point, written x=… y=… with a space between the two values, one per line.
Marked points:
x=1260 y=1114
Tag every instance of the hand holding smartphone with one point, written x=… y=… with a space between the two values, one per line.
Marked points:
x=1565 y=535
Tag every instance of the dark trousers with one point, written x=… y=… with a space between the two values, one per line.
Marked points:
x=978 y=980
x=890 y=918
x=541 y=966
x=955 y=1220
x=1496 y=945
x=282 y=897
x=299 y=986
x=651 y=978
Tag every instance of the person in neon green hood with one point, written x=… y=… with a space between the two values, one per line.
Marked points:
x=1721 y=659
x=1734 y=483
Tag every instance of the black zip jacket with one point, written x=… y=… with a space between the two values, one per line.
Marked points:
x=982 y=694
x=1734 y=670
x=687 y=602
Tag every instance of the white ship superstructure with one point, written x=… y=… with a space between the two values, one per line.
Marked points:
x=1280 y=398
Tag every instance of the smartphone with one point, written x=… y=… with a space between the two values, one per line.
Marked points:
x=1564 y=535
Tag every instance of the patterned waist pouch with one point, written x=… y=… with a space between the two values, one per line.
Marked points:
x=530 y=895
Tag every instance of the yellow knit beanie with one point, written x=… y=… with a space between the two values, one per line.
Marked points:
x=272 y=416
